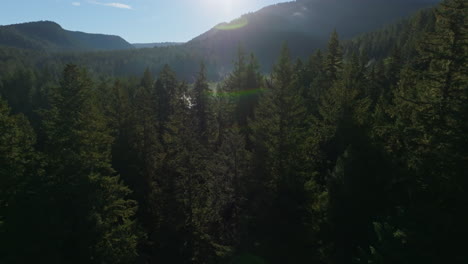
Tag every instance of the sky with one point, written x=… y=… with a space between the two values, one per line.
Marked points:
x=137 y=21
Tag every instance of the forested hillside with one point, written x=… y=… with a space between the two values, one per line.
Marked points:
x=153 y=45
x=304 y=25
x=356 y=154
x=48 y=36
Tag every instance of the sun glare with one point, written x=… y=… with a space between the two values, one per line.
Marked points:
x=226 y=7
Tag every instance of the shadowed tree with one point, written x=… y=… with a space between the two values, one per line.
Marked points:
x=90 y=220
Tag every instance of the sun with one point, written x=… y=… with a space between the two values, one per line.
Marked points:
x=227 y=7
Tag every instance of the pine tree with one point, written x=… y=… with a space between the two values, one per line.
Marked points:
x=342 y=107
x=431 y=99
x=334 y=59
x=202 y=107
x=145 y=140
x=188 y=183
x=238 y=96
x=118 y=110
x=429 y=138
x=282 y=169
x=250 y=93
x=91 y=220
x=20 y=186
x=342 y=125
x=228 y=95
x=164 y=90
x=18 y=90
x=230 y=180
x=316 y=77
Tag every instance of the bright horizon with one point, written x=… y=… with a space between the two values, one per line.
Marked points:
x=137 y=21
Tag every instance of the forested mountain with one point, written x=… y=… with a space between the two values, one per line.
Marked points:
x=303 y=24
x=51 y=37
x=356 y=154
x=153 y=45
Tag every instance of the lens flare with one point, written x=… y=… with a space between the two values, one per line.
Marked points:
x=236 y=24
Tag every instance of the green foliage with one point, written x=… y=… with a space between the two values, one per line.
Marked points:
x=51 y=37
x=356 y=155
x=202 y=107
x=390 y=248
x=17 y=184
x=429 y=135
x=281 y=162
x=334 y=60
x=81 y=182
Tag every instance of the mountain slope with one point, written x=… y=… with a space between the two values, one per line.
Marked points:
x=303 y=24
x=51 y=37
x=262 y=33
x=155 y=45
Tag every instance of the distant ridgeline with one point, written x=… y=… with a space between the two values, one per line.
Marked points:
x=155 y=45
x=304 y=25
x=51 y=37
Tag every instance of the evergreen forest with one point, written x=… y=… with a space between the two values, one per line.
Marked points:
x=355 y=154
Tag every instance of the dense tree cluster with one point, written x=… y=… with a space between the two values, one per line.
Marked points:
x=342 y=158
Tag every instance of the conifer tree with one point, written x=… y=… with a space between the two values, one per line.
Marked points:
x=281 y=164
x=250 y=93
x=202 y=107
x=164 y=91
x=334 y=60
x=20 y=186
x=118 y=110
x=340 y=159
x=144 y=141
x=231 y=173
x=239 y=94
x=228 y=100
x=430 y=131
x=316 y=77
x=90 y=217
x=190 y=179
x=341 y=124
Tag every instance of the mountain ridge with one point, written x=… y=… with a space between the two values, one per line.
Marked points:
x=261 y=33
x=156 y=44
x=49 y=36
x=304 y=23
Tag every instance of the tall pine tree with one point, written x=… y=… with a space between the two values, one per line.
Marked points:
x=90 y=219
